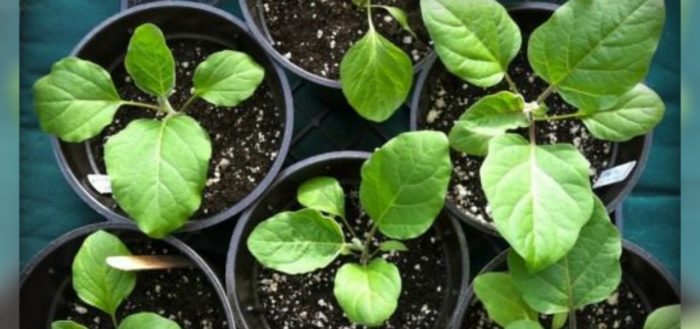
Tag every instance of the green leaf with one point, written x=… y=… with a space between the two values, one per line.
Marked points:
x=540 y=196
x=323 y=194
x=400 y=17
x=227 y=78
x=392 y=245
x=634 y=114
x=369 y=294
x=525 y=324
x=76 y=101
x=376 y=77
x=67 y=325
x=667 y=317
x=147 y=320
x=559 y=320
x=150 y=62
x=501 y=299
x=594 y=51
x=96 y=283
x=588 y=274
x=158 y=170
x=404 y=183
x=476 y=39
x=490 y=117
x=297 y=242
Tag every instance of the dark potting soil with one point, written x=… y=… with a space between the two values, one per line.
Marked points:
x=245 y=139
x=184 y=296
x=307 y=301
x=315 y=35
x=623 y=310
x=450 y=96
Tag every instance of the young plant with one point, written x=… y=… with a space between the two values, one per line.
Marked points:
x=403 y=189
x=667 y=317
x=376 y=75
x=594 y=54
x=157 y=167
x=105 y=288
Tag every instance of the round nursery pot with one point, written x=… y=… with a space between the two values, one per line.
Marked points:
x=310 y=39
x=434 y=271
x=126 y=4
x=192 y=295
x=250 y=142
x=440 y=98
x=646 y=286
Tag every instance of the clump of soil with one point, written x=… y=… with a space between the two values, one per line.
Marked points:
x=316 y=34
x=307 y=301
x=245 y=139
x=185 y=296
x=622 y=310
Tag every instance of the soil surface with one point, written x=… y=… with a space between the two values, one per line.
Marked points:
x=315 y=35
x=245 y=139
x=185 y=296
x=307 y=301
x=623 y=310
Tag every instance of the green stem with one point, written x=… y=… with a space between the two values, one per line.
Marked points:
x=347 y=224
x=165 y=105
x=366 y=256
x=369 y=15
x=188 y=103
x=543 y=97
x=572 y=319
x=561 y=117
x=511 y=84
x=114 y=321
x=533 y=129
x=144 y=105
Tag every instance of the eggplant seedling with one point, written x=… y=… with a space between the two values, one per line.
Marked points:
x=403 y=189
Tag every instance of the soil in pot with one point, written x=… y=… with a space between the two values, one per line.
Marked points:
x=245 y=139
x=315 y=35
x=184 y=296
x=307 y=301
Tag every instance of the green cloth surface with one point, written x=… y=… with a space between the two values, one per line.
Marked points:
x=50 y=208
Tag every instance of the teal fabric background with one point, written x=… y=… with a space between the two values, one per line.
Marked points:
x=50 y=208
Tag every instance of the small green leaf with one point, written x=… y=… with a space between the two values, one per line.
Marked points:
x=147 y=321
x=501 y=299
x=96 y=283
x=227 y=78
x=393 y=245
x=67 y=325
x=404 y=183
x=490 y=117
x=400 y=17
x=667 y=317
x=635 y=113
x=540 y=196
x=369 y=294
x=323 y=194
x=525 y=324
x=150 y=62
x=158 y=170
x=297 y=242
x=76 y=101
x=559 y=320
x=476 y=39
x=594 y=51
x=588 y=274
x=376 y=77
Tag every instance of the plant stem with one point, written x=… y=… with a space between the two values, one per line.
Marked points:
x=364 y=259
x=543 y=97
x=165 y=105
x=561 y=117
x=369 y=15
x=511 y=83
x=347 y=224
x=533 y=129
x=114 y=321
x=572 y=319
x=188 y=103
x=144 y=105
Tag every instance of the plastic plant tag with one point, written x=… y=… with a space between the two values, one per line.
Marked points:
x=100 y=183
x=615 y=174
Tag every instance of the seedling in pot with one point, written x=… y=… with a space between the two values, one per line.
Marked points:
x=105 y=288
x=157 y=167
x=594 y=54
x=403 y=189
x=667 y=317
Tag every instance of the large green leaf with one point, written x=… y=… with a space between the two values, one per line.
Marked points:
x=376 y=76
x=476 y=39
x=297 y=242
x=490 y=117
x=636 y=113
x=150 y=62
x=323 y=194
x=369 y=294
x=147 y=321
x=588 y=274
x=525 y=324
x=594 y=51
x=158 y=170
x=67 y=325
x=668 y=317
x=540 y=196
x=502 y=299
x=227 y=78
x=404 y=183
x=96 y=283
x=76 y=101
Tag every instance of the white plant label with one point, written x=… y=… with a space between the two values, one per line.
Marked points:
x=100 y=183
x=615 y=174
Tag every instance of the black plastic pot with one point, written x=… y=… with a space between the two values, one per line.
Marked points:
x=49 y=272
x=242 y=268
x=106 y=45
x=654 y=284
x=126 y=4
x=253 y=15
x=530 y=15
